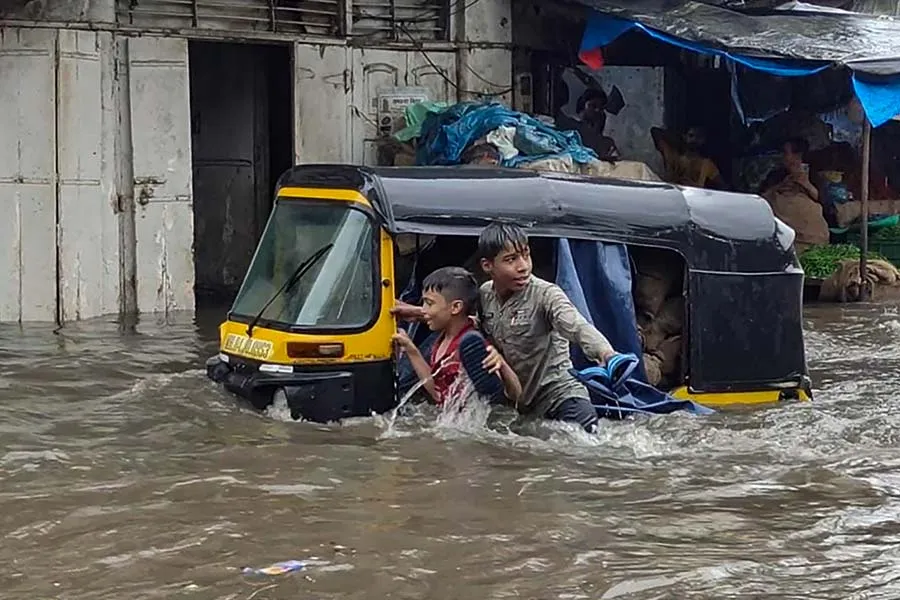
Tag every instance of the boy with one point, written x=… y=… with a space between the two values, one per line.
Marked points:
x=532 y=322
x=449 y=298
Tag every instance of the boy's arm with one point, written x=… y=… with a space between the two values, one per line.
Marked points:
x=407 y=312
x=420 y=366
x=512 y=387
x=495 y=364
x=566 y=319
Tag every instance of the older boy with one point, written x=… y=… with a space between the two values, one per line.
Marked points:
x=532 y=322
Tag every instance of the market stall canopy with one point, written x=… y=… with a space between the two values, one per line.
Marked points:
x=786 y=43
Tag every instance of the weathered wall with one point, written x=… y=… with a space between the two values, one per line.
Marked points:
x=337 y=87
x=161 y=157
x=56 y=170
x=88 y=237
x=486 y=58
x=28 y=175
x=96 y=173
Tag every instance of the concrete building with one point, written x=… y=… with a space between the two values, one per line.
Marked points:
x=142 y=138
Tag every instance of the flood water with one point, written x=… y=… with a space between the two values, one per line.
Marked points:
x=126 y=474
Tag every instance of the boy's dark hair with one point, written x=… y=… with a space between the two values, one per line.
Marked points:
x=798 y=145
x=497 y=236
x=454 y=283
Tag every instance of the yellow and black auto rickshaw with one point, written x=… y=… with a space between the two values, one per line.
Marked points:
x=312 y=319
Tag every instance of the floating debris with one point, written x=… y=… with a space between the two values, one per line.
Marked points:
x=279 y=568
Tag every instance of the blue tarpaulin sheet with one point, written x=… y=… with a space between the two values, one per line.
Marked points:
x=879 y=95
x=596 y=277
x=446 y=135
x=603 y=29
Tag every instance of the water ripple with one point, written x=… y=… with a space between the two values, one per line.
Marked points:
x=126 y=474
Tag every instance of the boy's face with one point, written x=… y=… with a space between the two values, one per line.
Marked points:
x=439 y=312
x=510 y=270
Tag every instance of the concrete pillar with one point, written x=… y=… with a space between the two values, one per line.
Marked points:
x=484 y=32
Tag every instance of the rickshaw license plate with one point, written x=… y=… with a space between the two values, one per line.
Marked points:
x=245 y=346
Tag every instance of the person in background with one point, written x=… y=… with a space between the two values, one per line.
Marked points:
x=685 y=159
x=449 y=297
x=792 y=170
x=795 y=200
x=591 y=123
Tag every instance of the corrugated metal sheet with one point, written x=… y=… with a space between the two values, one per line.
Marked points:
x=374 y=20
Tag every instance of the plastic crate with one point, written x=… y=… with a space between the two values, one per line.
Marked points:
x=890 y=249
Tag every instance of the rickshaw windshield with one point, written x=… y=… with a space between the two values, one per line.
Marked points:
x=338 y=292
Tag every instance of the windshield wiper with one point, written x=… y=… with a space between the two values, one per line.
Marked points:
x=298 y=274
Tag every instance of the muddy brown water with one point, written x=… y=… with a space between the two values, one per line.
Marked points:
x=124 y=473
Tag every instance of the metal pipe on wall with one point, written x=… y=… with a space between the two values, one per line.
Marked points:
x=124 y=153
x=864 y=210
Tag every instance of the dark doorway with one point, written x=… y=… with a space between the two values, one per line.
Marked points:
x=241 y=136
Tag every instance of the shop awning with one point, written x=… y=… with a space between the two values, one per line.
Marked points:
x=786 y=43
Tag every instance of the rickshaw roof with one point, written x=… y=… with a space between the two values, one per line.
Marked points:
x=462 y=200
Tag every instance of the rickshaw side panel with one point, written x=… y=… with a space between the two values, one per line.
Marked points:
x=746 y=331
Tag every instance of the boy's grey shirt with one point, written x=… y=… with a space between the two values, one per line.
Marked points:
x=532 y=330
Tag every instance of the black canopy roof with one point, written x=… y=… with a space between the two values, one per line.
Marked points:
x=866 y=44
x=715 y=230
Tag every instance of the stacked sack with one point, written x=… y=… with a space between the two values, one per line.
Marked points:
x=659 y=306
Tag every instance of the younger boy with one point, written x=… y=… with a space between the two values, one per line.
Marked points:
x=449 y=298
x=532 y=322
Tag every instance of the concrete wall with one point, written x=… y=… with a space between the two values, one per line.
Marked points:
x=96 y=179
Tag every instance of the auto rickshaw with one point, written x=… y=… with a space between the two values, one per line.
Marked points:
x=312 y=318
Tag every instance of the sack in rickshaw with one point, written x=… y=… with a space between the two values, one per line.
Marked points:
x=656 y=274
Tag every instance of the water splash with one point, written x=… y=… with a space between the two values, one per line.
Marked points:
x=466 y=411
x=391 y=420
x=279 y=409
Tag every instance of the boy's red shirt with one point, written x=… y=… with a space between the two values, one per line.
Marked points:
x=446 y=368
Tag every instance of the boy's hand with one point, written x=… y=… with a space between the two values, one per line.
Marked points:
x=606 y=356
x=493 y=362
x=402 y=340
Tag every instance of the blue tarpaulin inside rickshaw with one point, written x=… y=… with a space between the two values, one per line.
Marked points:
x=596 y=276
x=784 y=44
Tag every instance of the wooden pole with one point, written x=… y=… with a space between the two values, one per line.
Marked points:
x=864 y=210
